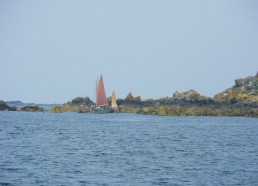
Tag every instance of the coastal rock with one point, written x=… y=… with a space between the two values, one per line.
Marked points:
x=5 y=107
x=82 y=101
x=129 y=97
x=56 y=109
x=206 y=110
x=245 y=91
x=78 y=104
x=74 y=108
x=184 y=99
x=189 y=95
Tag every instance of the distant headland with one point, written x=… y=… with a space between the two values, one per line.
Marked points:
x=239 y=100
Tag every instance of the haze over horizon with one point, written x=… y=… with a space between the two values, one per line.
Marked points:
x=52 y=51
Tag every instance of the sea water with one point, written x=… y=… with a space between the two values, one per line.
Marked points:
x=126 y=149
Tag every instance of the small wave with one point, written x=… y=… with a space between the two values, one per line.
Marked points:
x=5 y=184
x=123 y=120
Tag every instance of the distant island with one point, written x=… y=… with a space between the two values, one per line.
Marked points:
x=5 y=107
x=26 y=107
x=20 y=104
x=239 y=100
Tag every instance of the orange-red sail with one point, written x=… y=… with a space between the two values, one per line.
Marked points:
x=101 y=94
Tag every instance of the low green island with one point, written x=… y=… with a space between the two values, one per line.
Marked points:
x=239 y=100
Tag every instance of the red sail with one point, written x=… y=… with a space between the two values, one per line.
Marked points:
x=101 y=94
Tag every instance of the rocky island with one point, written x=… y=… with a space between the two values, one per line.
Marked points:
x=5 y=107
x=239 y=100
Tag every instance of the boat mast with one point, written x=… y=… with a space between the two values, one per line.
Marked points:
x=96 y=89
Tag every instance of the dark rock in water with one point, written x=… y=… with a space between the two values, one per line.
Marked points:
x=5 y=107
x=84 y=111
x=32 y=109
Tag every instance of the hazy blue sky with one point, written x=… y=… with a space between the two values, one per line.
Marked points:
x=52 y=50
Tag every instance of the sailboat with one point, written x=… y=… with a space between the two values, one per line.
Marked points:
x=113 y=102
x=101 y=99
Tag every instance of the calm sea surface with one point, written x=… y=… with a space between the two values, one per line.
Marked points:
x=126 y=149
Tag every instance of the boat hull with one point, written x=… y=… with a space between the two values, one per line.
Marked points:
x=101 y=111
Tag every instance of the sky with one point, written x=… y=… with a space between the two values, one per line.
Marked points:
x=52 y=51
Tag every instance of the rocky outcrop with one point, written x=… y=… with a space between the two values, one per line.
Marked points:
x=74 y=108
x=129 y=97
x=5 y=107
x=31 y=109
x=205 y=110
x=244 y=91
x=189 y=103
x=184 y=98
x=129 y=109
x=133 y=104
x=191 y=95
x=81 y=101
x=56 y=109
x=78 y=104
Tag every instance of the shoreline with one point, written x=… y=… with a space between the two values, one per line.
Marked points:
x=239 y=100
